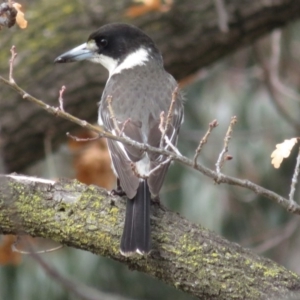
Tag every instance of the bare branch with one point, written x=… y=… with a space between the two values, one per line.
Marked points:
x=281 y=236
x=60 y=99
x=222 y=158
x=14 y=247
x=159 y=166
x=78 y=289
x=165 y=162
x=171 y=108
x=274 y=67
x=112 y=115
x=164 y=124
x=271 y=90
x=203 y=141
x=169 y=143
x=77 y=139
x=124 y=126
x=295 y=179
x=220 y=178
x=118 y=131
x=11 y=64
x=222 y=15
x=161 y=127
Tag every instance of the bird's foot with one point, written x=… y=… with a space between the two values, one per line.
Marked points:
x=155 y=200
x=117 y=192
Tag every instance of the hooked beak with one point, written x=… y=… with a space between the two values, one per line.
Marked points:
x=76 y=54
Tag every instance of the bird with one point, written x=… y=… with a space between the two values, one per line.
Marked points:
x=140 y=101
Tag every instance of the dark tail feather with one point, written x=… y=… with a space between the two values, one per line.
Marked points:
x=136 y=234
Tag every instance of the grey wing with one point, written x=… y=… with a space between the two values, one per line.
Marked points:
x=129 y=182
x=123 y=155
x=156 y=179
x=149 y=118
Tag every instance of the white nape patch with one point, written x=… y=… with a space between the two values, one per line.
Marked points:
x=32 y=179
x=137 y=58
x=143 y=166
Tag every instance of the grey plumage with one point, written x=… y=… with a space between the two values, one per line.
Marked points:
x=139 y=90
x=140 y=98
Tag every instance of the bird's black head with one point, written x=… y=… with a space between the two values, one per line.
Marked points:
x=117 y=40
x=114 y=45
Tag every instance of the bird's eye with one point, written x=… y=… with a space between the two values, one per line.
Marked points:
x=103 y=42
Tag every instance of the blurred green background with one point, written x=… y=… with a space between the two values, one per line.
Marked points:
x=233 y=86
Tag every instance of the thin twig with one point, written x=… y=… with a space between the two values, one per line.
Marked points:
x=78 y=289
x=14 y=248
x=222 y=158
x=274 y=67
x=220 y=178
x=60 y=98
x=165 y=123
x=11 y=64
x=171 y=108
x=112 y=114
x=159 y=166
x=280 y=237
x=271 y=90
x=174 y=148
x=77 y=139
x=222 y=16
x=124 y=126
x=161 y=127
x=295 y=179
x=203 y=141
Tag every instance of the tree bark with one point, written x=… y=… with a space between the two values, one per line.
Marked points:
x=186 y=256
x=188 y=35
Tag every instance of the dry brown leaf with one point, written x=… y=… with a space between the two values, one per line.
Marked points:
x=92 y=161
x=20 y=19
x=282 y=151
x=147 y=6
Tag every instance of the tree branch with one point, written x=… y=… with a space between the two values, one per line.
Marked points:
x=218 y=177
x=184 y=255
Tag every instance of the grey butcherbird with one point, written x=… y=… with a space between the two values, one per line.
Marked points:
x=137 y=91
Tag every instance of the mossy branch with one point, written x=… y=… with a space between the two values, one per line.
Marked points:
x=184 y=255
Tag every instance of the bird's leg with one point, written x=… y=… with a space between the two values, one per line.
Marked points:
x=118 y=191
x=155 y=200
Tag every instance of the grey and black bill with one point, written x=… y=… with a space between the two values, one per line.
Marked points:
x=137 y=91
